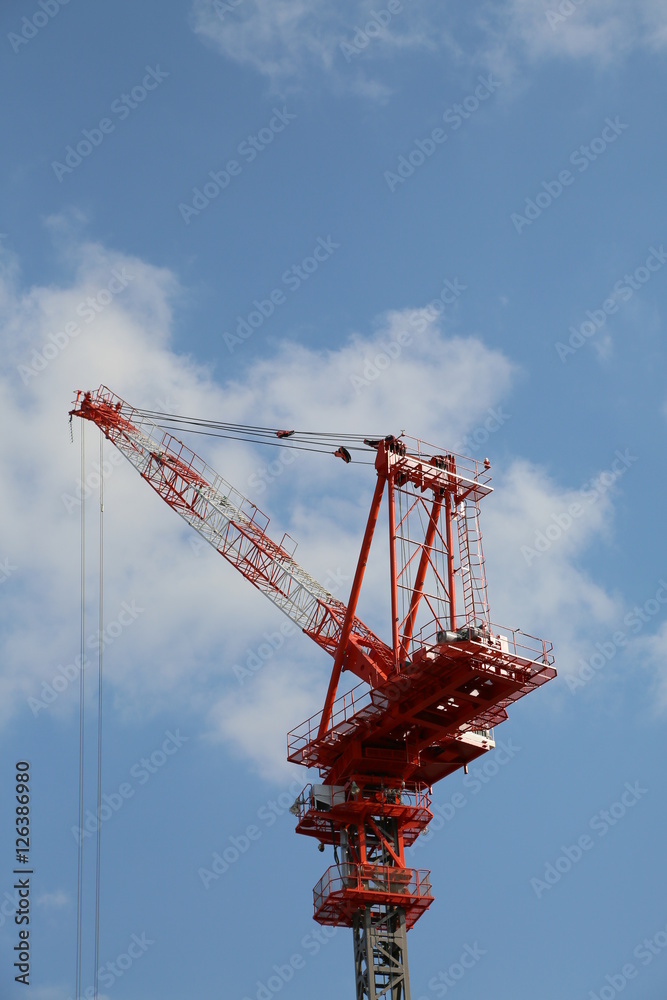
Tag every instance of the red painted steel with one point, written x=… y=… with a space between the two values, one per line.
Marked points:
x=421 y=575
x=237 y=528
x=426 y=704
x=408 y=806
x=347 y=888
x=352 y=604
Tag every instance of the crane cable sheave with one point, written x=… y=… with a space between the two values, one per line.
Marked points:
x=234 y=526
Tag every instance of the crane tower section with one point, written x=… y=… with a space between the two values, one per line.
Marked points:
x=379 y=750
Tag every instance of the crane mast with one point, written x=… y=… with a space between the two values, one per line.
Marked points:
x=426 y=703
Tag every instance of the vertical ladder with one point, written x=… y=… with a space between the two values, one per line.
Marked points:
x=473 y=575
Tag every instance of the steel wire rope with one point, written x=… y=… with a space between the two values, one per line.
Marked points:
x=79 y=892
x=248 y=428
x=271 y=444
x=100 y=663
x=247 y=432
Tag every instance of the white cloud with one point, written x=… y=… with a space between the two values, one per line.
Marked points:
x=53 y=900
x=539 y=29
x=281 y=39
x=540 y=586
x=285 y=40
x=601 y=31
x=181 y=650
x=649 y=652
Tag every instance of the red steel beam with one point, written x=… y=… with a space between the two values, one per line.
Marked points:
x=421 y=574
x=391 y=498
x=449 y=514
x=352 y=604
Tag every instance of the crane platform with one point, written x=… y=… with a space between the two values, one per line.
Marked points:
x=433 y=716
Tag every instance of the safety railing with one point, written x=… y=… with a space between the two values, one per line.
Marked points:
x=499 y=638
x=361 y=704
x=166 y=444
x=384 y=880
x=413 y=795
x=466 y=468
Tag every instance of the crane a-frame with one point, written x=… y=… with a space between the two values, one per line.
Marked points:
x=427 y=701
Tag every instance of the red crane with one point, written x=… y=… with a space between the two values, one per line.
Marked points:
x=426 y=703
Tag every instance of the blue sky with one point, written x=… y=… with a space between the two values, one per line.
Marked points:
x=484 y=181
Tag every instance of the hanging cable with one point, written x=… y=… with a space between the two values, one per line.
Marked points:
x=99 y=725
x=271 y=444
x=160 y=417
x=315 y=441
x=79 y=896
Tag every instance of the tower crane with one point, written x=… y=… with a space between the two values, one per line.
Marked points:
x=426 y=702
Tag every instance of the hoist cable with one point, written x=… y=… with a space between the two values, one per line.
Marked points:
x=161 y=417
x=248 y=433
x=100 y=662
x=79 y=895
x=273 y=444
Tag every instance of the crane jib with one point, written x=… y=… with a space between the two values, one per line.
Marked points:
x=235 y=527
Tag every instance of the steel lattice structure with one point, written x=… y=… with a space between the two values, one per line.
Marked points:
x=427 y=701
